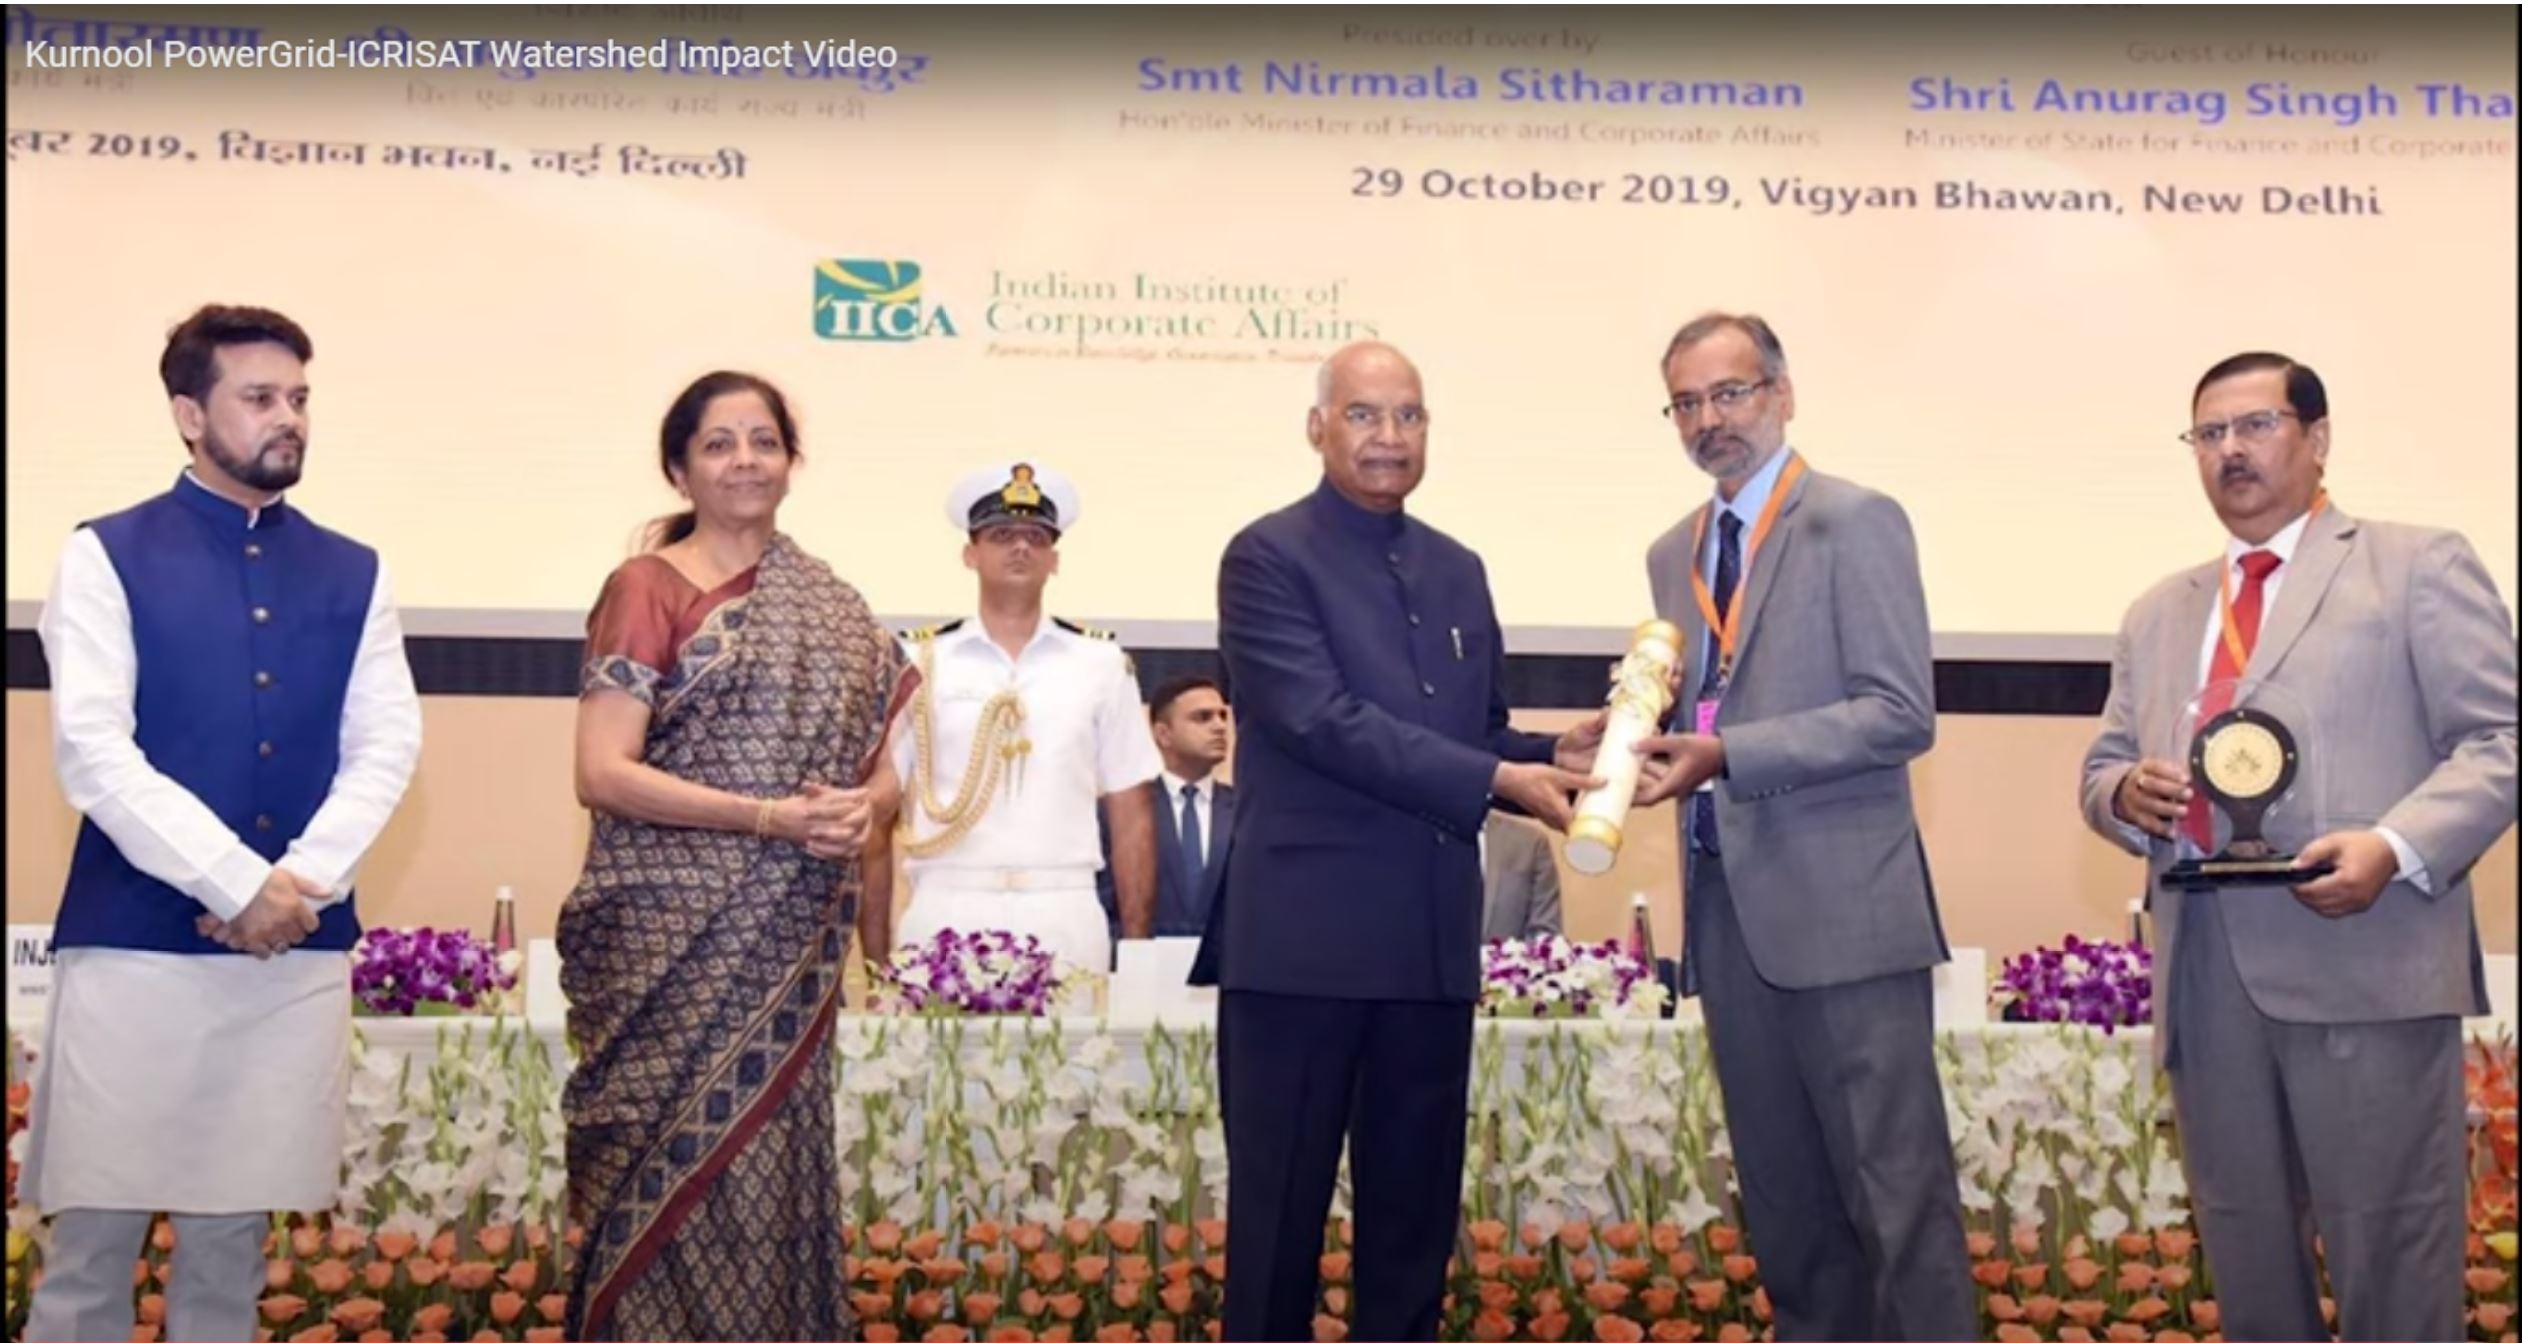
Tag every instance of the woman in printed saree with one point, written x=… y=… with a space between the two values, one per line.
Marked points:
x=735 y=705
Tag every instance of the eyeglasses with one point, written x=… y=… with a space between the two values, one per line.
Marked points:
x=1407 y=419
x=1727 y=399
x=2252 y=428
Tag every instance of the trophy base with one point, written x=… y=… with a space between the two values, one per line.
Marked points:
x=2209 y=874
x=1592 y=845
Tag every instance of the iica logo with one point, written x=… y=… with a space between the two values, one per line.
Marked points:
x=874 y=300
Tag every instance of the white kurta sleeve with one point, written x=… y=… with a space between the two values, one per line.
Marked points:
x=380 y=746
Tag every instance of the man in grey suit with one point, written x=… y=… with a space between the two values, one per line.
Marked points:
x=1520 y=879
x=1810 y=928
x=2312 y=1032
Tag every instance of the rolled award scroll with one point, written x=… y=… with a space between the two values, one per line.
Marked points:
x=1641 y=693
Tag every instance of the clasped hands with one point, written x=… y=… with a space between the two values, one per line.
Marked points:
x=279 y=917
x=828 y=823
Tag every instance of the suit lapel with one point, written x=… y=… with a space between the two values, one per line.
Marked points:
x=1764 y=569
x=1168 y=840
x=2195 y=606
x=2317 y=557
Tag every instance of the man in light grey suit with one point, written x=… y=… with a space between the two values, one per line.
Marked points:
x=1520 y=879
x=1810 y=926
x=2312 y=1032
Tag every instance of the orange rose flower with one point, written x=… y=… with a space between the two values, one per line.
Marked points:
x=505 y=1307
x=331 y=1277
x=2003 y=1308
x=378 y=1274
x=1335 y=1266
x=1330 y=1329
x=1738 y=1268
x=1981 y=1244
x=434 y=1317
x=396 y=1246
x=1127 y=1295
x=472 y=1275
x=2029 y=1276
x=1724 y=1239
x=925 y=1307
x=2134 y=1244
x=923 y=1246
x=1666 y=1238
x=1733 y=1333
x=880 y=1333
x=521 y=1275
x=1706 y=1294
x=359 y=1314
x=1660 y=1300
x=1491 y=1327
x=1488 y=1234
x=1607 y=1296
x=2146 y=1310
x=424 y=1272
x=984 y=1233
x=304 y=1241
x=2017 y=1333
x=2174 y=1277
x=1674 y=1331
x=979 y=1308
x=1552 y=1327
x=884 y=1237
x=2026 y=1241
x=348 y=1238
x=2082 y=1273
x=1632 y=1270
x=1117 y=1333
x=2040 y=1310
x=2176 y=1243
x=1124 y=1236
x=1176 y=1237
x=1613 y=1329
x=1047 y=1267
x=553 y=1307
x=322 y=1333
x=496 y=1239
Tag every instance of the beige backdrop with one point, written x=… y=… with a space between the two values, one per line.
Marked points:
x=492 y=806
x=495 y=344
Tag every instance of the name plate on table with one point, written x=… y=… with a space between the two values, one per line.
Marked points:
x=1151 y=982
x=30 y=969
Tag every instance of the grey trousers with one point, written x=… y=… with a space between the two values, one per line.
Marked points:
x=214 y=1277
x=2287 y=1128
x=1836 y=1112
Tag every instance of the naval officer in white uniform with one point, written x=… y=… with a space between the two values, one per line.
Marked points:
x=1022 y=725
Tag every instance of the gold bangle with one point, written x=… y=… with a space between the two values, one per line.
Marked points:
x=762 y=819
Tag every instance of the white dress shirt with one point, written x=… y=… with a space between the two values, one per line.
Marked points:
x=2411 y=867
x=1203 y=806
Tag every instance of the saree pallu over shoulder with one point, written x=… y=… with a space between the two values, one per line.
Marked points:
x=703 y=969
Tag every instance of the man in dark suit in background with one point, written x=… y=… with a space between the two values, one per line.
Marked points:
x=1195 y=811
x=1369 y=676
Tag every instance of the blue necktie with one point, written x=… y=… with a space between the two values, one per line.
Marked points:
x=1193 y=860
x=1729 y=574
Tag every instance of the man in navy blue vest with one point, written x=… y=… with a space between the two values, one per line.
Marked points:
x=1369 y=683
x=234 y=718
x=1195 y=810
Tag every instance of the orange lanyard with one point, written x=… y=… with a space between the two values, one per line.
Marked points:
x=1724 y=629
x=2233 y=628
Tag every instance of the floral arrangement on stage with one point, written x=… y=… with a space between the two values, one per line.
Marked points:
x=401 y=972
x=1550 y=976
x=2105 y=984
x=988 y=973
x=1029 y=1180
